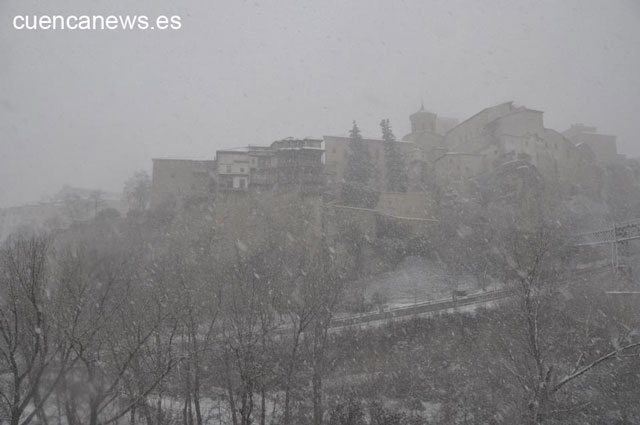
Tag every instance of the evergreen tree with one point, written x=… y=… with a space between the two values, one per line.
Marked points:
x=356 y=189
x=397 y=179
x=359 y=167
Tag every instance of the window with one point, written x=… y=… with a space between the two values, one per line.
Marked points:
x=228 y=168
x=242 y=170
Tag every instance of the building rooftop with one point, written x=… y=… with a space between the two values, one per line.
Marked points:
x=365 y=139
x=179 y=158
x=510 y=103
x=233 y=151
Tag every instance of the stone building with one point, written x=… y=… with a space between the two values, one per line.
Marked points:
x=456 y=167
x=336 y=152
x=569 y=158
x=603 y=145
x=233 y=170
x=176 y=181
x=297 y=163
x=285 y=164
x=504 y=133
x=427 y=132
x=424 y=131
x=261 y=166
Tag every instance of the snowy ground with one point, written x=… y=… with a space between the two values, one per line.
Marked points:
x=418 y=280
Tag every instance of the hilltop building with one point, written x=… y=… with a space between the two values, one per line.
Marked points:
x=427 y=132
x=261 y=165
x=297 y=163
x=284 y=165
x=232 y=170
x=497 y=134
x=438 y=151
x=424 y=132
x=505 y=133
x=603 y=145
x=337 y=150
x=176 y=181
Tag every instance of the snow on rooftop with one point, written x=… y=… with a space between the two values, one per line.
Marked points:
x=181 y=158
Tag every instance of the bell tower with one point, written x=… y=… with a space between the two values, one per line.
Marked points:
x=423 y=121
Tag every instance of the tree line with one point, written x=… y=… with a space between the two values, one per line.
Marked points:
x=111 y=321
x=166 y=320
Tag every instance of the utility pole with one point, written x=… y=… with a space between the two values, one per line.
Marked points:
x=614 y=259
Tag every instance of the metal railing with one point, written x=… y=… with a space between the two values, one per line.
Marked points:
x=420 y=308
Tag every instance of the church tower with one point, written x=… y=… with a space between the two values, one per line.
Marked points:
x=423 y=121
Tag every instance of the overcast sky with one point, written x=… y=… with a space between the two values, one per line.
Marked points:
x=88 y=108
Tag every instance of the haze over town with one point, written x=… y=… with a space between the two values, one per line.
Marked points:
x=319 y=213
x=88 y=108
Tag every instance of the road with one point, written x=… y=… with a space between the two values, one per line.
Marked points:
x=420 y=308
x=406 y=312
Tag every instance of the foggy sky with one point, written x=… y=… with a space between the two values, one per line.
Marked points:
x=88 y=108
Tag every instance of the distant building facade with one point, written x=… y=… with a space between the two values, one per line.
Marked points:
x=232 y=170
x=603 y=145
x=175 y=181
x=424 y=131
x=41 y=216
x=336 y=153
x=438 y=151
x=297 y=163
x=505 y=133
x=70 y=204
x=427 y=132
x=285 y=164
x=261 y=165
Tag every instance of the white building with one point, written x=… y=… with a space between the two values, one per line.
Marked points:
x=233 y=170
x=504 y=133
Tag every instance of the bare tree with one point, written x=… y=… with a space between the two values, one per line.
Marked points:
x=116 y=325
x=33 y=357
x=186 y=267
x=252 y=285
x=137 y=189
x=542 y=352
x=75 y=207
x=326 y=289
x=97 y=202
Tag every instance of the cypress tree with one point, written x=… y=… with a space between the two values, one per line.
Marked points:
x=397 y=178
x=356 y=189
x=359 y=167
